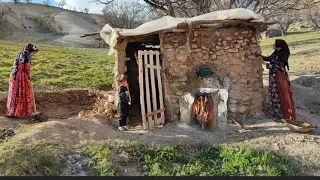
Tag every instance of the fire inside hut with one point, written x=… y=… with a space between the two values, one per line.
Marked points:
x=203 y=110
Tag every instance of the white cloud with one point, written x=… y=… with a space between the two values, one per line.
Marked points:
x=92 y=6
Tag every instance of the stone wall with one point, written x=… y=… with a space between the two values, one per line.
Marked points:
x=230 y=52
x=119 y=67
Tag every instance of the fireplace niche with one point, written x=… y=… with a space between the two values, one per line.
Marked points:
x=207 y=108
x=203 y=111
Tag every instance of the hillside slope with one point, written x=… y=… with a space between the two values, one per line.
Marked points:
x=37 y=23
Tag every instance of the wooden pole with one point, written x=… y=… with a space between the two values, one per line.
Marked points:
x=153 y=88
x=90 y=34
x=146 y=61
x=141 y=85
x=160 y=87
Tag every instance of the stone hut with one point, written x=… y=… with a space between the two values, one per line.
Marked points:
x=209 y=73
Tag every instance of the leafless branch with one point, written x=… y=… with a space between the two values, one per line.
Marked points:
x=106 y=2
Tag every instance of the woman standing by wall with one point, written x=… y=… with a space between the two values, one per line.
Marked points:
x=280 y=102
x=20 y=94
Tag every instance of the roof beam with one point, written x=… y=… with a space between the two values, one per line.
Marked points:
x=90 y=34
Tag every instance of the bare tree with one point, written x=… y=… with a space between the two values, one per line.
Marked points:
x=124 y=14
x=273 y=8
x=166 y=6
x=62 y=3
x=285 y=12
x=105 y=2
x=191 y=8
x=69 y=7
x=286 y=19
x=269 y=9
x=313 y=15
x=86 y=10
x=47 y=2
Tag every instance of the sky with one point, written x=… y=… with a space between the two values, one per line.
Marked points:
x=93 y=7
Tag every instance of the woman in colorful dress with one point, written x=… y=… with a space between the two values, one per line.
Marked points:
x=280 y=102
x=20 y=101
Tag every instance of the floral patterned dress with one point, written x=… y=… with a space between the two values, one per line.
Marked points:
x=280 y=101
x=20 y=101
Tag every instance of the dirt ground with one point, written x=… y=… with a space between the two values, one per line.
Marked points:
x=64 y=125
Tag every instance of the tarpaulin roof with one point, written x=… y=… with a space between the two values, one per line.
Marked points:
x=110 y=35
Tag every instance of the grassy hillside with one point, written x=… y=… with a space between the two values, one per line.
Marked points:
x=60 y=67
x=305 y=51
x=65 y=67
x=42 y=24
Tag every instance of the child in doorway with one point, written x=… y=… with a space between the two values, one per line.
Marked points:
x=124 y=103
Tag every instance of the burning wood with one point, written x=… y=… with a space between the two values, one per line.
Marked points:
x=202 y=110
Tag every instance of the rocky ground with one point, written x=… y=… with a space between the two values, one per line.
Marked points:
x=79 y=123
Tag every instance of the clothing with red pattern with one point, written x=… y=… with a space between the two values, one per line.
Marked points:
x=280 y=102
x=20 y=101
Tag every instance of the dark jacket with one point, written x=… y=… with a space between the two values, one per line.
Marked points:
x=276 y=60
x=122 y=94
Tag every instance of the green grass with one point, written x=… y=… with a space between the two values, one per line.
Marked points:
x=28 y=160
x=305 y=51
x=56 y=67
x=101 y=165
x=180 y=160
x=112 y=158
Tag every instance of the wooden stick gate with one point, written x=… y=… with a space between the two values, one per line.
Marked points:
x=149 y=74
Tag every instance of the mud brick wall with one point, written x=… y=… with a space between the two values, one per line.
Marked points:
x=230 y=52
x=119 y=67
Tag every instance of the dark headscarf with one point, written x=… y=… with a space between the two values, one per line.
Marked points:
x=284 y=52
x=30 y=48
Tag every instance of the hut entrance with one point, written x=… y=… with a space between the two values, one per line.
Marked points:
x=132 y=74
x=144 y=77
x=151 y=95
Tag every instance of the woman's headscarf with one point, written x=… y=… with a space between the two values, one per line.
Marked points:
x=31 y=48
x=284 y=52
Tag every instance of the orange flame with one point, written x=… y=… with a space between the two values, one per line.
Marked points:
x=203 y=108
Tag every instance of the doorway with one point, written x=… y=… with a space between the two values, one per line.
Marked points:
x=132 y=64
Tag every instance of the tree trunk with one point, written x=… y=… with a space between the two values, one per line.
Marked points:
x=170 y=8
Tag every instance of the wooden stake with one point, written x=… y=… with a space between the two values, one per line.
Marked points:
x=146 y=61
x=153 y=87
x=160 y=87
x=141 y=85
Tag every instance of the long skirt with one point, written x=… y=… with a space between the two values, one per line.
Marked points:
x=280 y=103
x=20 y=101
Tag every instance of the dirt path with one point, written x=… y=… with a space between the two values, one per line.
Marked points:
x=257 y=133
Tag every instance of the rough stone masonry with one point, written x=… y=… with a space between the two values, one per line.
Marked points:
x=230 y=52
